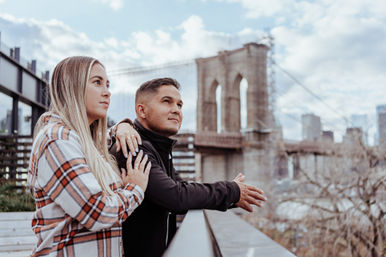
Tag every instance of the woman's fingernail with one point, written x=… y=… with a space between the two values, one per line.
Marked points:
x=126 y=155
x=136 y=150
x=134 y=154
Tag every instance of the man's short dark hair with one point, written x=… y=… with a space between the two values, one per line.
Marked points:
x=152 y=86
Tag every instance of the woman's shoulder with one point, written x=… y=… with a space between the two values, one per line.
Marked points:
x=56 y=137
x=54 y=132
x=57 y=131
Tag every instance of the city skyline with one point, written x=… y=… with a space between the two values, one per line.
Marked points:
x=331 y=48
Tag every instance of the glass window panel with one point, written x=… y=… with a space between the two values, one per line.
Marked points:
x=29 y=86
x=25 y=116
x=5 y=114
x=8 y=74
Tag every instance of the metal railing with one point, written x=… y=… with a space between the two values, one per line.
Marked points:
x=14 y=157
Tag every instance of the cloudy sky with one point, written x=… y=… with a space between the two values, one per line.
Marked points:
x=335 y=49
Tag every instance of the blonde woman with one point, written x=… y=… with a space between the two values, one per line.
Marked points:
x=81 y=197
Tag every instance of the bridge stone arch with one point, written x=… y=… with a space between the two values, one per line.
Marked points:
x=212 y=105
x=235 y=102
x=228 y=68
x=221 y=155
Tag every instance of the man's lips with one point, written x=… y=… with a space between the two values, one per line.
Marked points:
x=174 y=119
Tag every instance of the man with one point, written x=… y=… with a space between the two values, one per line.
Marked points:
x=150 y=228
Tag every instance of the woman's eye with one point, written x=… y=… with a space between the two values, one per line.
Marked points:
x=97 y=82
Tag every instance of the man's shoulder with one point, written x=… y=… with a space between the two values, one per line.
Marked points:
x=147 y=146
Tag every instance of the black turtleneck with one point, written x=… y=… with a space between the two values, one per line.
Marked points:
x=163 y=145
x=152 y=225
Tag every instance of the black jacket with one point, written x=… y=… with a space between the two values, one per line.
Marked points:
x=149 y=229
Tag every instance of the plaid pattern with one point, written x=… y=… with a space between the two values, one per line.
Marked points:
x=73 y=216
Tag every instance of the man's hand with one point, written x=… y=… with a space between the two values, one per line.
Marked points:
x=127 y=137
x=249 y=195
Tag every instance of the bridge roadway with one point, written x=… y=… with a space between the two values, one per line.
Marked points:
x=202 y=233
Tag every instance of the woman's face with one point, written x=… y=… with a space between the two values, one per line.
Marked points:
x=97 y=94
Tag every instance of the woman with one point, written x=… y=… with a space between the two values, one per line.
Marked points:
x=81 y=197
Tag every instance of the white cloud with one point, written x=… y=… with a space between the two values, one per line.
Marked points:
x=2 y=1
x=114 y=4
x=264 y=8
x=50 y=41
x=194 y=41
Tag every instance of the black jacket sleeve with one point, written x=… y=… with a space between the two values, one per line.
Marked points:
x=179 y=196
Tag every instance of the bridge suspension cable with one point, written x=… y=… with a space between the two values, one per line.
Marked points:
x=135 y=70
x=335 y=111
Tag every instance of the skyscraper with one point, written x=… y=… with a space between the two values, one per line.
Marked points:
x=353 y=136
x=328 y=136
x=361 y=121
x=381 y=124
x=311 y=127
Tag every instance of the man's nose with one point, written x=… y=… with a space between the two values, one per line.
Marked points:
x=176 y=109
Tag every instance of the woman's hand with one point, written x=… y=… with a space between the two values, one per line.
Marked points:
x=137 y=174
x=127 y=137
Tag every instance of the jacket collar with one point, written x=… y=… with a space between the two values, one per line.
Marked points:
x=160 y=142
x=50 y=117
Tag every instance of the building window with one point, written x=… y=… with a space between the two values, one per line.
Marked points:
x=5 y=114
x=25 y=115
x=29 y=86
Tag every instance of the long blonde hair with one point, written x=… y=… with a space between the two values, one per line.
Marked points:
x=67 y=95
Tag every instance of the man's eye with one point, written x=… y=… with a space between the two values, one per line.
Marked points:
x=166 y=101
x=179 y=106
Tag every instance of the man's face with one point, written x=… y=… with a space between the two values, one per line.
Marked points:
x=161 y=112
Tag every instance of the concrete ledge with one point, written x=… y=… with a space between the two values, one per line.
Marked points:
x=213 y=233
x=235 y=237
x=192 y=238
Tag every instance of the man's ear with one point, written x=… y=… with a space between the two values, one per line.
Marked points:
x=140 y=109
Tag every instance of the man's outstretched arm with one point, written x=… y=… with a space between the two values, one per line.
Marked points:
x=180 y=196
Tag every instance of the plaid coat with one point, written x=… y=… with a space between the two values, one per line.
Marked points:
x=74 y=217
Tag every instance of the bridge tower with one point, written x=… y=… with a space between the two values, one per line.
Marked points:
x=222 y=153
